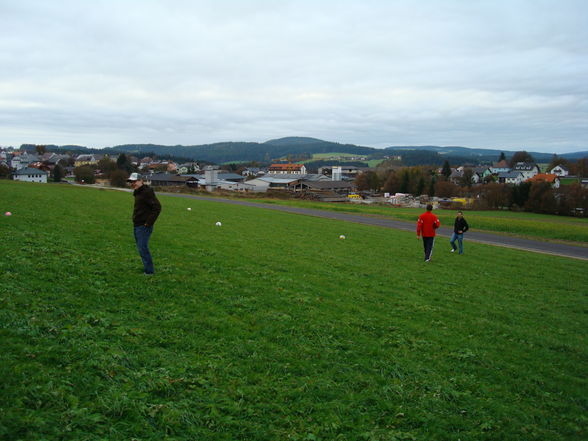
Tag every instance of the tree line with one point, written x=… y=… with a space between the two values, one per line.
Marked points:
x=538 y=197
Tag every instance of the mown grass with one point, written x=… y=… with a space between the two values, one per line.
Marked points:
x=531 y=225
x=272 y=328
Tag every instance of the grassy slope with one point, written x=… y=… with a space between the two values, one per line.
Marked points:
x=532 y=225
x=271 y=328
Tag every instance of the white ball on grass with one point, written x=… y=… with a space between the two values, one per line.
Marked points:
x=342 y=237
x=218 y=224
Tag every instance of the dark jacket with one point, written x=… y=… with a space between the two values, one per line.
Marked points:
x=460 y=225
x=147 y=207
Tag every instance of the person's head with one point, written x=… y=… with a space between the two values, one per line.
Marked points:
x=459 y=214
x=135 y=180
x=429 y=207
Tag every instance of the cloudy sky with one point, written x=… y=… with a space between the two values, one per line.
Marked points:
x=508 y=74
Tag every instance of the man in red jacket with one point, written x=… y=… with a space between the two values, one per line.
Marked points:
x=426 y=226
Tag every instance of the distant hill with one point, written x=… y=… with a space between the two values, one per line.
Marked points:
x=246 y=151
x=414 y=155
x=224 y=152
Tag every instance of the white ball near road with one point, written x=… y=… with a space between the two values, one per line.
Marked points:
x=218 y=224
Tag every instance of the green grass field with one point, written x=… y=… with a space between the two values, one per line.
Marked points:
x=532 y=225
x=271 y=328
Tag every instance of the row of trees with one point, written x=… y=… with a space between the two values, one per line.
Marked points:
x=537 y=197
x=116 y=172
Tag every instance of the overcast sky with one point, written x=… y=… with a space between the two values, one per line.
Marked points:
x=508 y=74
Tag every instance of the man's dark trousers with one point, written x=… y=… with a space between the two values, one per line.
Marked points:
x=142 y=235
x=428 y=243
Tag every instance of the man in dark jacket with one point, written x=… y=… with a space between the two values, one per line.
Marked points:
x=460 y=226
x=145 y=213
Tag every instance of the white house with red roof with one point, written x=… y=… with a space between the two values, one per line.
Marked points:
x=287 y=169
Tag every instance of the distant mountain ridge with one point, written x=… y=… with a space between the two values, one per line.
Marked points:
x=273 y=149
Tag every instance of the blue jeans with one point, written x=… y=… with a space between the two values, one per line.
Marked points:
x=142 y=235
x=459 y=238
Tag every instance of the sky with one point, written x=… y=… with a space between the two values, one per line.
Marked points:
x=505 y=74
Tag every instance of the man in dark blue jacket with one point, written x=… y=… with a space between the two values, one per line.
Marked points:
x=460 y=226
x=145 y=213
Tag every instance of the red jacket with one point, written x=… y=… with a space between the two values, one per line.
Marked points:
x=427 y=224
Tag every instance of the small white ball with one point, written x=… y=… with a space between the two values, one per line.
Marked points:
x=218 y=224
x=342 y=237
x=189 y=209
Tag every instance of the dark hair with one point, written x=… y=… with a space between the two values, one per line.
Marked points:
x=429 y=207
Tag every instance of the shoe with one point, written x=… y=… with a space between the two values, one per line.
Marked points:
x=427 y=260
x=452 y=250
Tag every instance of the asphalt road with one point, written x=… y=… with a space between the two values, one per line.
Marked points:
x=554 y=248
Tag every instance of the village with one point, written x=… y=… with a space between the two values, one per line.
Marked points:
x=331 y=183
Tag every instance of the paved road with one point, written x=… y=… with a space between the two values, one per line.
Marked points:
x=558 y=249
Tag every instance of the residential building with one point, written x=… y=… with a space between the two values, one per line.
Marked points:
x=287 y=169
x=546 y=177
x=500 y=167
x=511 y=178
x=254 y=171
x=528 y=169
x=87 y=160
x=23 y=160
x=560 y=170
x=29 y=174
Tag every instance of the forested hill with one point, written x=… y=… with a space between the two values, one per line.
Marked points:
x=247 y=151
x=433 y=154
x=274 y=149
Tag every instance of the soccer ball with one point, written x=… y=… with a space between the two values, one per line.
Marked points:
x=218 y=224
x=342 y=237
x=189 y=209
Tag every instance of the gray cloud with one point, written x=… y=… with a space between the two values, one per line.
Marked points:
x=505 y=74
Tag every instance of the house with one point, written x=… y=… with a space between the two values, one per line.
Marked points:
x=500 y=167
x=23 y=160
x=560 y=170
x=87 y=160
x=5 y=158
x=53 y=158
x=254 y=171
x=482 y=171
x=282 y=169
x=188 y=167
x=511 y=178
x=29 y=174
x=528 y=169
x=456 y=176
x=584 y=182
x=545 y=177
